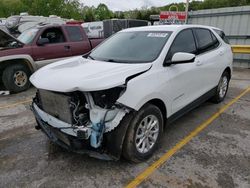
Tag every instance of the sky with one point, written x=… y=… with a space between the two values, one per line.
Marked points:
x=117 y=5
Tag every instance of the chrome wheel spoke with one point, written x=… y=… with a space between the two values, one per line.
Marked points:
x=143 y=146
x=154 y=131
x=147 y=144
x=139 y=136
x=140 y=142
x=152 y=138
x=152 y=125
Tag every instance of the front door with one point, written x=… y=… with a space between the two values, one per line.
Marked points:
x=184 y=78
x=56 y=49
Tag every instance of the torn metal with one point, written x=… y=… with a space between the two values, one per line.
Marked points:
x=7 y=41
x=90 y=115
x=102 y=120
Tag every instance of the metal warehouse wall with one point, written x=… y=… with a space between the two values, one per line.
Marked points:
x=234 y=21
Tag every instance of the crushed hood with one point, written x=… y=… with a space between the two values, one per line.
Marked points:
x=80 y=74
x=6 y=39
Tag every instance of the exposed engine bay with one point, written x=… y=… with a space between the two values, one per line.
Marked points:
x=85 y=115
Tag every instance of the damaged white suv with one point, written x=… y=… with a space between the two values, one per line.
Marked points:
x=116 y=100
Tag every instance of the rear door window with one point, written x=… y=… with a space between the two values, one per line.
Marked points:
x=74 y=33
x=206 y=40
x=184 y=42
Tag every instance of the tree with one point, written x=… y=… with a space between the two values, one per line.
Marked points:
x=88 y=14
x=102 y=12
x=12 y=7
x=76 y=10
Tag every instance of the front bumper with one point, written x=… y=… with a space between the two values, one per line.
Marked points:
x=63 y=135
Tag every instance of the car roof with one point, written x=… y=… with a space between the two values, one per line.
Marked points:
x=172 y=28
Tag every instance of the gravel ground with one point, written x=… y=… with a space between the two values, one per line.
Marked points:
x=218 y=157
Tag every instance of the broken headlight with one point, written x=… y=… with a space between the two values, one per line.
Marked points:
x=107 y=98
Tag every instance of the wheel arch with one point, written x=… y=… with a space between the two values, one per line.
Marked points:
x=120 y=132
x=161 y=105
x=24 y=60
x=7 y=61
x=228 y=69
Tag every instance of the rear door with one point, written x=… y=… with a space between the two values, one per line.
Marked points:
x=209 y=59
x=79 y=42
x=56 y=49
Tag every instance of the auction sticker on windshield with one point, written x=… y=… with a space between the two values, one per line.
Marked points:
x=158 y=35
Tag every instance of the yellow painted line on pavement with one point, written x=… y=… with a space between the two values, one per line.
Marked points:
x=148 y=171
x=16 y=104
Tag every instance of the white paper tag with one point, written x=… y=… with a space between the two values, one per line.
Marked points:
x=4 y=92
x=158 y=35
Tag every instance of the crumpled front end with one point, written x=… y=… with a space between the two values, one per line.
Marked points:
x=8 y=42
x=83 y=122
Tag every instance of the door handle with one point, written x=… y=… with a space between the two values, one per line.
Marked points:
x=67 y=47
x=221 y=53
x=198 y=63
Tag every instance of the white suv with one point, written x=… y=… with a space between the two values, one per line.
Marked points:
x=117 y=99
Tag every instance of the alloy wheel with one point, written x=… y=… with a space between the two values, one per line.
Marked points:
x=147 y=134
x=223 y=87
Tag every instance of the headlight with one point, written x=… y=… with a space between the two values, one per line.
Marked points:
x=107 y=98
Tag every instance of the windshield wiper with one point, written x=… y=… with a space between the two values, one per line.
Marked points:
x=91 y=57
x=115 y=61
x=111 y=60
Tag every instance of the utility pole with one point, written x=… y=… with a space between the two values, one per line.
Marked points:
x=187 y=5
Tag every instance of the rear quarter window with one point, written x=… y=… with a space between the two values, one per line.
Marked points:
x=222 y=35
x=74 y=33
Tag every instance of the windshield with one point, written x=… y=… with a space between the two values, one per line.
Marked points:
x=132 y=47
x=27 y=36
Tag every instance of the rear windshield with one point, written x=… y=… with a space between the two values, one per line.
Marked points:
x=222 y=35
x=132 y=47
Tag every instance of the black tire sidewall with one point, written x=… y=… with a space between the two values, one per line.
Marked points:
x=130 y=150
x=218 y=97
x=8 y=78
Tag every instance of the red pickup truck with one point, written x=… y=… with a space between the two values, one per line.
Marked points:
x=36 y=47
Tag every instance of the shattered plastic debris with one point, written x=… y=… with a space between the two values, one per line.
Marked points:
x=4 y=92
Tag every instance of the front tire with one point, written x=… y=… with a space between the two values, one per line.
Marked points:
x=16 y=78
x=143 y=134
x=222 y=88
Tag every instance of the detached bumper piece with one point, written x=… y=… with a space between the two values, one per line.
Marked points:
x=67 y=137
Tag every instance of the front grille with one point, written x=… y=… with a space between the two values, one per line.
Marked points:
x=56 y=104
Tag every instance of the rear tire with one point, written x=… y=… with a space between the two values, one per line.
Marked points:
x=16 y=78
x=143 y=134
x=222 y=88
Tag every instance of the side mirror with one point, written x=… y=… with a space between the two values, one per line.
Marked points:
x=42 y=41
x=181 y=57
